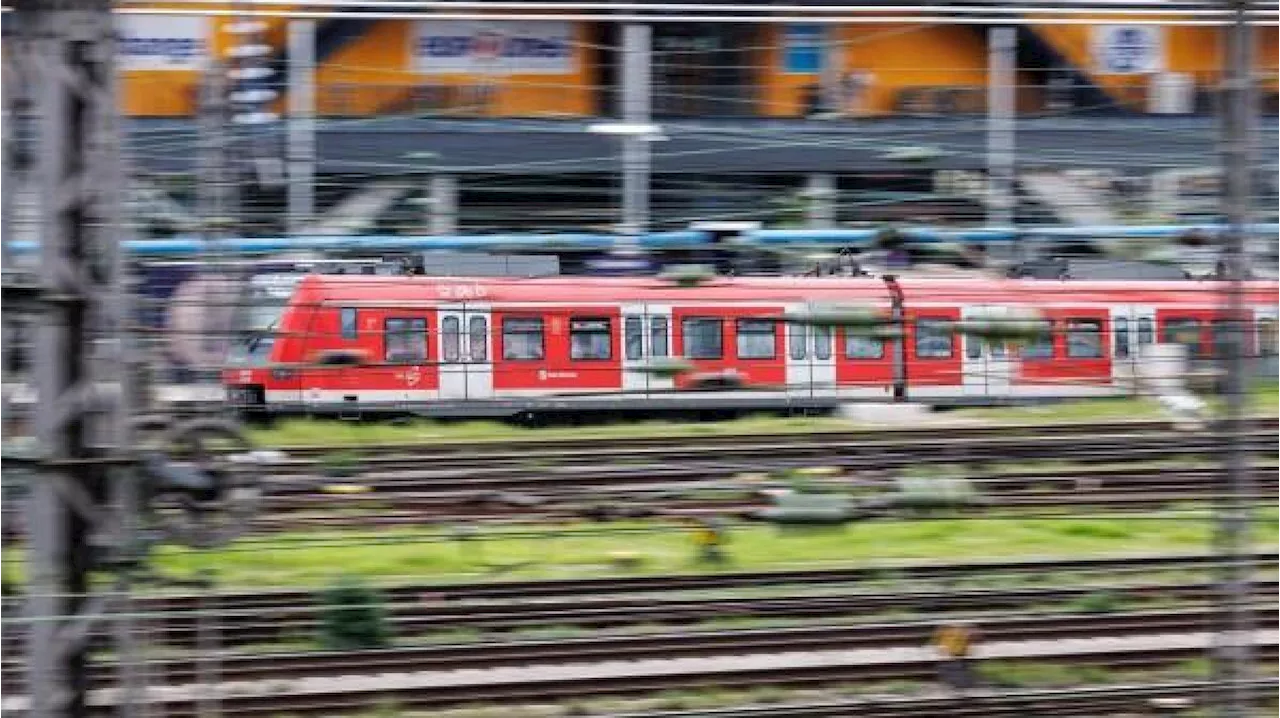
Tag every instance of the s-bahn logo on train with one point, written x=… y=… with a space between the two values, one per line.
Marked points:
x=473 y=47
x=162 y=43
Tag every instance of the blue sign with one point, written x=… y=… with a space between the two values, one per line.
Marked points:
x=494 y=47
x=162 y=43
x=1128 y=49
x=802 y=53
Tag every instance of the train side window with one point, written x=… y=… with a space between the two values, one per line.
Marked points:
x=522 y=339
x=478 y=337
x=1184 y=331
x=350 y=322
x=933 y=339
x=822 y=343
x=633 y=337
x=1267 y=337
x=703 y=337
x=405 y=340
x=590 y=339
x=658 y=336
x=1121 y=329
x=973 y=347
x=1084 y=339
x=1146 y=333
x=757 y=339
x=1222 y=330
x=1040 y=347
x=799 y=334
x=857 y=346
x=450 y=339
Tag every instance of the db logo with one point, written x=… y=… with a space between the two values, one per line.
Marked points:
x=246 y=376
x=412 y=376
x=542 y=375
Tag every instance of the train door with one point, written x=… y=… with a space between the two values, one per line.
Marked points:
x=1133 y=328
x=812 y=347
x=799 y=358
x=823 y=360
x=646 y=336
x=1264 y=323
x=466 y=352
x=973 y=366
x=987 y=365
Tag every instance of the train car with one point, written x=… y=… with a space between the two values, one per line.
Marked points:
x=499 y=347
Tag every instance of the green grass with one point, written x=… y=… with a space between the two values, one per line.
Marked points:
x=317 y=558
x=302 y=432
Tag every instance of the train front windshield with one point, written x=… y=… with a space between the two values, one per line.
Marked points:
x=256 y=324
x=255 y=335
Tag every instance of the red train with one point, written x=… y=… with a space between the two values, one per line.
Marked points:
x=495 y=347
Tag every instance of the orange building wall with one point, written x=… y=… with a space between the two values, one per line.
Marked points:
x=373 y=74
x=898 y=57
x=1196 y=51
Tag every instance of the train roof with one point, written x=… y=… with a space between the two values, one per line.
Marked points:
x=611 y=290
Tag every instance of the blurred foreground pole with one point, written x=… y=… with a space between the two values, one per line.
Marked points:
x=302 y=124
x=636 y=82
x=1002 y=80
x=1232 y=654
x=9 y=336
x=82 y=412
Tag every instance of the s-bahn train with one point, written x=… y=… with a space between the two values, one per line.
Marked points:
x=501 y=347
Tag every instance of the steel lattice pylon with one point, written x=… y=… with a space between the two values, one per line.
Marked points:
x=67 y=53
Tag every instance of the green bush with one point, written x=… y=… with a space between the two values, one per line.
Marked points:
x=931 y=490
x=1098 y=602
x=340 y=464
x=353 y=616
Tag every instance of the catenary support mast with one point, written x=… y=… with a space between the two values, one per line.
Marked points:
x=1232 y=654
x=81 y=416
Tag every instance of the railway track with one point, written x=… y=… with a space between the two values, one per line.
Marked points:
x=509 y=447
x=257 y=619
x=442 y=675
x=1091 y=701
x=638 y=493
x=579 y=588
x=483 y=655
x=496 y=485
x=863 y=452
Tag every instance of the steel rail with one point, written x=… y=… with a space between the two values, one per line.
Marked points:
x=429 y=488
x=495 y=654
x=1078 y=701
x=767 y=457
x=262 y=627
x=248 y=618
x=873 y=16
x=339 y=691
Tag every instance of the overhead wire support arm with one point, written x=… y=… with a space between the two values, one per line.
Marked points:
x=974 y=12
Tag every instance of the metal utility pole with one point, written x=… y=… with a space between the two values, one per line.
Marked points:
x=820 y=200
x=302 y=123
x=636 y=102
x=1232 y=654
x=444 y=205
x=82 y=412
x=1002 y=80
x=215 y=191
x=13 y=179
